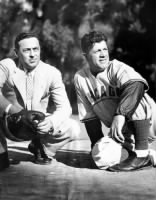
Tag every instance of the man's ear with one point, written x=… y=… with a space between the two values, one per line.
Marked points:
x=84 y=54
x=15 y=52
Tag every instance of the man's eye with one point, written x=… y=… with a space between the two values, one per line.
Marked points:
x=26 y=50
x=36 y=49
x=97 y=51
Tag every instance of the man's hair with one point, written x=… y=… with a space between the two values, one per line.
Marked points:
x=22 y=36
x=89 y=39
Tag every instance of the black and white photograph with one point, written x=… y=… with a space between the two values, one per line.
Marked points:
x=77 y=100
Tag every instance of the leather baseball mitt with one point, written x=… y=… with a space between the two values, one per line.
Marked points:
x=21 y=126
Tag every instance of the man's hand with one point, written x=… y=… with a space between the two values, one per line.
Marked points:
x=45 y=126
x=116 y=128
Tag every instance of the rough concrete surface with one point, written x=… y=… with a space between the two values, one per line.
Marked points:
x=71 y=176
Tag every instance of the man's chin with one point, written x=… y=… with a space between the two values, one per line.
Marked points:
x=32 y=66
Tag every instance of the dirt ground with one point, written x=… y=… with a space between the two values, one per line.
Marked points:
x=71 y=176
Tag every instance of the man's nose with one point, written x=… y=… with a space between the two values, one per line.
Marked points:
x=32 y=53
x=102 y=53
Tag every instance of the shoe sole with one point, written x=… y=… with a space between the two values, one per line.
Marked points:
x=137 y=169
x=42 y=163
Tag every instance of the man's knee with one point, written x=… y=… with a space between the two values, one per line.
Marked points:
x=74 y=129
x=3 y=143
x=4 y=160
x=153 y=120
x=68 y=131
x=69 y=128
x=2 y=148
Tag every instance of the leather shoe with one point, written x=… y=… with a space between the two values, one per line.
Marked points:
x=4 y=161
x=132 y=163
x=38 y=149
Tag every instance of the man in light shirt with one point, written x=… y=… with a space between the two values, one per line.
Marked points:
x=113 y=93
x=48 y=96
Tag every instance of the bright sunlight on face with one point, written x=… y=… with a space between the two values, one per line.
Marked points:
x=98 y=57
x=29 y=53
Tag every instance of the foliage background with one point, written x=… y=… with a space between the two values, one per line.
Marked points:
x=129 y=25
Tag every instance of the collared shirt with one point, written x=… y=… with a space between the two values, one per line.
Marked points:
x=95 y=94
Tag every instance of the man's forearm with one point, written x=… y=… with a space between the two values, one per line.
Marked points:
x=6 y=106
x=130 y=98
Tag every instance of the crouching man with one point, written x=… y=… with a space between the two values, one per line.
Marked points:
x=33 y=103
x=111 y=92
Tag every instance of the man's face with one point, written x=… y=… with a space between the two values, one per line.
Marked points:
x=29 y=53
x=98 y=57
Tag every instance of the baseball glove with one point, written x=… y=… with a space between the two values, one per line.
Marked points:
x=21 y=126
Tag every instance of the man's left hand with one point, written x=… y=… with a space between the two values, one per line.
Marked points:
x=45 y=126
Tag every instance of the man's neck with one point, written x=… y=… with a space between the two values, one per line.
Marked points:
x=96 y=73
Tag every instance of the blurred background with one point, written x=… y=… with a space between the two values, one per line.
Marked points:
x=129 y=25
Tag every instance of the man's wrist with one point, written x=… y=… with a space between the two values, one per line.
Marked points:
x=8 y=109
x=117 y=114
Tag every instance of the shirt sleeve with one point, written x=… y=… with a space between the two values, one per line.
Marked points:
x=85 y=109
x=130 y=98
x=124 y=74
x=59 y=99
x=4 y=103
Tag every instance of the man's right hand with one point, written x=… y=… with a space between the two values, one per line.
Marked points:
x=116 y=128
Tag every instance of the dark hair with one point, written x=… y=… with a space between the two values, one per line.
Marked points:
x=22 y=36
x=90 y=38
